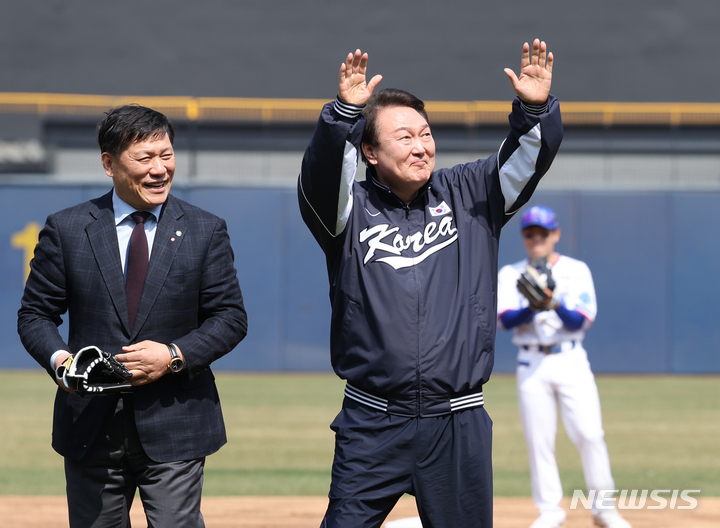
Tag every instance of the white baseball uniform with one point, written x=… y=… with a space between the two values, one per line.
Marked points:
x=553 y=368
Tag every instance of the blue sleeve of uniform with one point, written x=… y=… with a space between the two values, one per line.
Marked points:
x=571 y=319
x=501 y=184
x=328 y=170
x=513 y=318
x=528 y=151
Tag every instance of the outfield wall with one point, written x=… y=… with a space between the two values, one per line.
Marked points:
x=654 y=257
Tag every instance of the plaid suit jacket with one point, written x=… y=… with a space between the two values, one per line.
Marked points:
x=191 y=297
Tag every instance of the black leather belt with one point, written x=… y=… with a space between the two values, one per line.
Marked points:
x=550 y=349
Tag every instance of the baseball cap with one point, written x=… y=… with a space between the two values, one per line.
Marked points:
x=539 y=215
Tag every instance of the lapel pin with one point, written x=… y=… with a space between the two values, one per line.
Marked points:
x=178 y=233
x=172 y=239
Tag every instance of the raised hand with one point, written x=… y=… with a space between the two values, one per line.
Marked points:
x=353 y=87
x=533 y=85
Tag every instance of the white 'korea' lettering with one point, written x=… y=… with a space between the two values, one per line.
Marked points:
x=422 y=242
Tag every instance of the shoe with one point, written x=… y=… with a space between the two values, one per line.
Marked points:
x=549 y=520
x=610 y=519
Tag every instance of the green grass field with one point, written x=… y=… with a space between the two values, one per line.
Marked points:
x=662 y=433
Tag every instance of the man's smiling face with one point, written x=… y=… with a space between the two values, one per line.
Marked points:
x=143 y=172
x=405 y=155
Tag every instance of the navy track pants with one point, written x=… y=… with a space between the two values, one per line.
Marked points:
x=444 y=461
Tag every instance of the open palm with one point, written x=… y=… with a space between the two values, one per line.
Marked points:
x=353 y=87
x=533 y=85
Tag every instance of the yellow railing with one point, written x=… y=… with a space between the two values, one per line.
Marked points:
x=306 y=110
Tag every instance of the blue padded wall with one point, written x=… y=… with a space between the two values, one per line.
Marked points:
x=654 y=258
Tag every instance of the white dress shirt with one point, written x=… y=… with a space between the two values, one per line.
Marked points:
x=125 y=225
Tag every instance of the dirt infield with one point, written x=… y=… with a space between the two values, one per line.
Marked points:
x=306 y=512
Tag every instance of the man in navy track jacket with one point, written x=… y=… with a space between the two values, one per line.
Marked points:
x=412 y=263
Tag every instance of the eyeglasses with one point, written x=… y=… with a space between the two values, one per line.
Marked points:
x=533 y=234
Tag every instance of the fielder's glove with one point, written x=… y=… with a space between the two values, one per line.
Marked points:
x=536 y=283
x=93 y=371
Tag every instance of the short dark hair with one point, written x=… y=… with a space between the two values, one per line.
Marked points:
x=389 y=97
x=127 y=124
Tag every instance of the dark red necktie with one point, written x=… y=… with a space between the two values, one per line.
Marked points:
x=137 y=264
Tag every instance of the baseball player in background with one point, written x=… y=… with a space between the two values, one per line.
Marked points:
x=552 y=367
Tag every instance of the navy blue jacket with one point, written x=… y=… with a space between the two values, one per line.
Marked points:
x=413 y=286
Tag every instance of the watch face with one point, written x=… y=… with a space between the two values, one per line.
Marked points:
x=176 y=365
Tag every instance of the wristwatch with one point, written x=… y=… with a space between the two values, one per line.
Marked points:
x=176 y=363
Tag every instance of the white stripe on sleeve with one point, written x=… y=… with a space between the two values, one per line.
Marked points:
x=520 y=166
x=347 y=177
x=348 y=109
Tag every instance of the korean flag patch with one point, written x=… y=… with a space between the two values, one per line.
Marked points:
x=440 y=210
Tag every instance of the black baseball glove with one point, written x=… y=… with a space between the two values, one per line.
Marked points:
x=536 y=283
x=93 y=371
